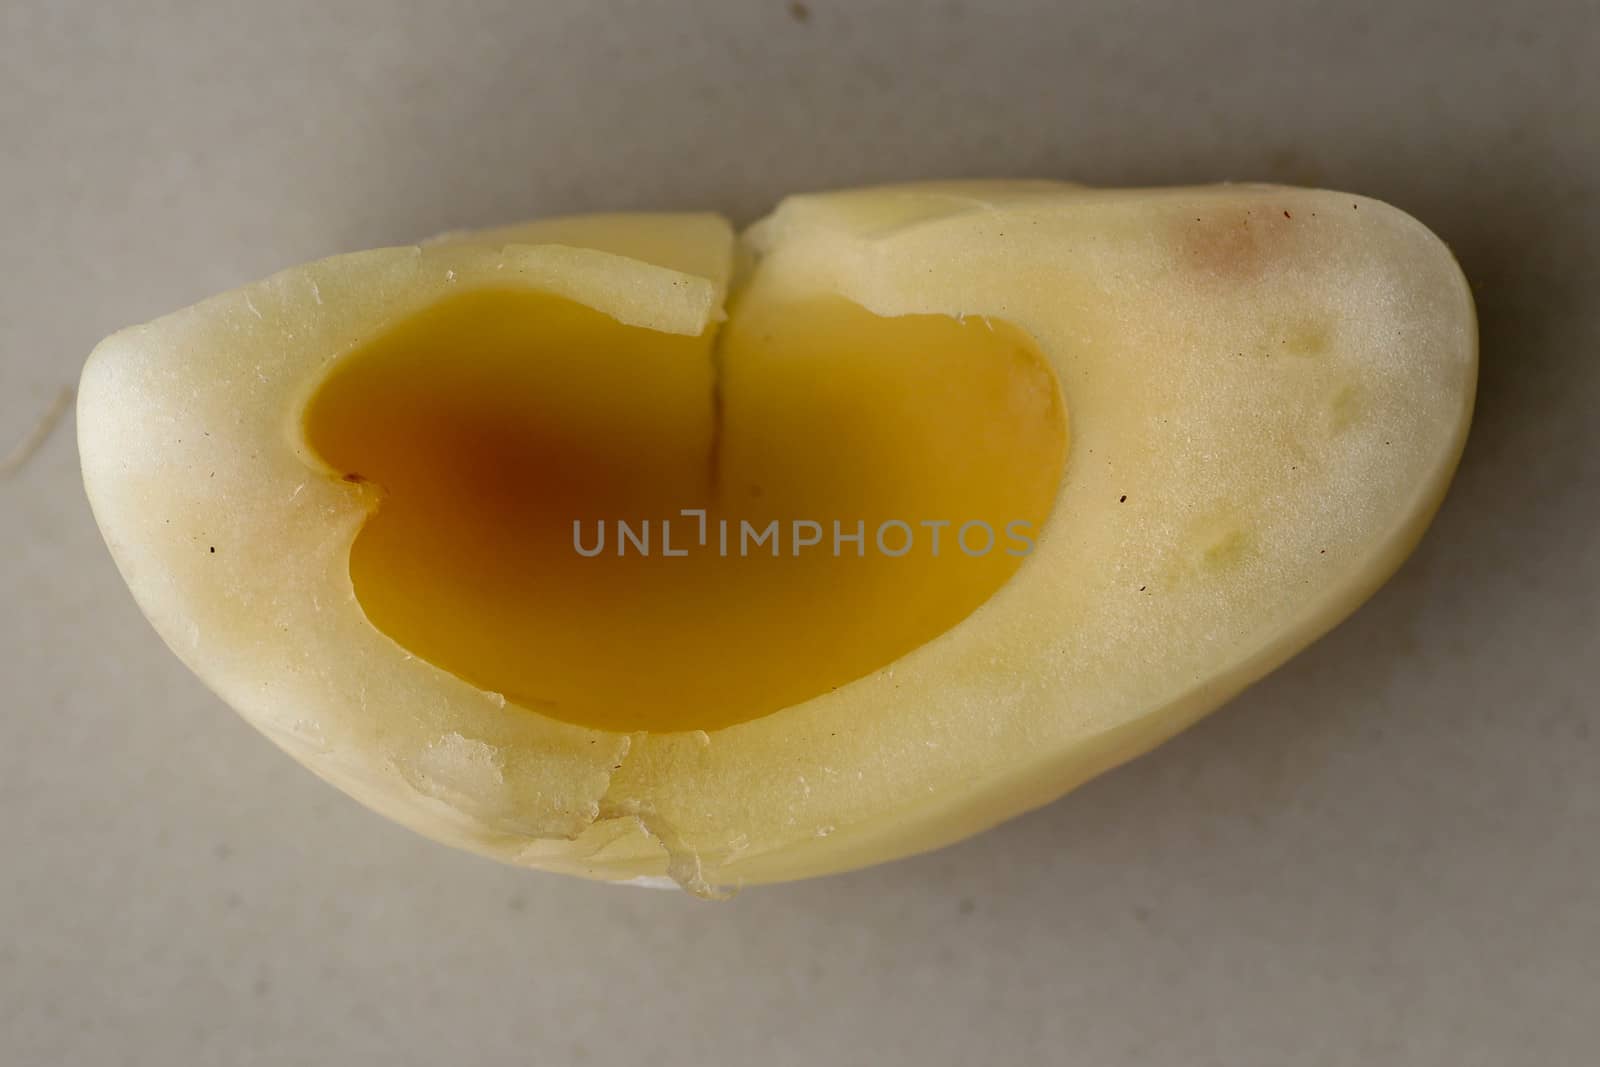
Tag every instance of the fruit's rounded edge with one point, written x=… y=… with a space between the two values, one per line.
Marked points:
x=1461 y=292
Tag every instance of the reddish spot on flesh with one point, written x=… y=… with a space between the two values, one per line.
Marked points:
x=1236 y=244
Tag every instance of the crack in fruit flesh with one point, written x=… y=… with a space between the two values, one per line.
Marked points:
x=494 y=420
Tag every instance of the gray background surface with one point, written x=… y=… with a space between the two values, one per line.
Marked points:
x=1386 y=853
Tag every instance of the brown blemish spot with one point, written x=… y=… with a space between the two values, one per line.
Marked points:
x=1306 y=337
x=799 y=12
x=1344 y=409
x=355 y=479
x=1235 y=245
x=1224 y=549
x=1209 y=546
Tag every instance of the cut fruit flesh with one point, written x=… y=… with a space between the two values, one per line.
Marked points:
x=1268 y=387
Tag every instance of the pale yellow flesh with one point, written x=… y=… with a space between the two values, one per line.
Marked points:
x=1268 y=389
